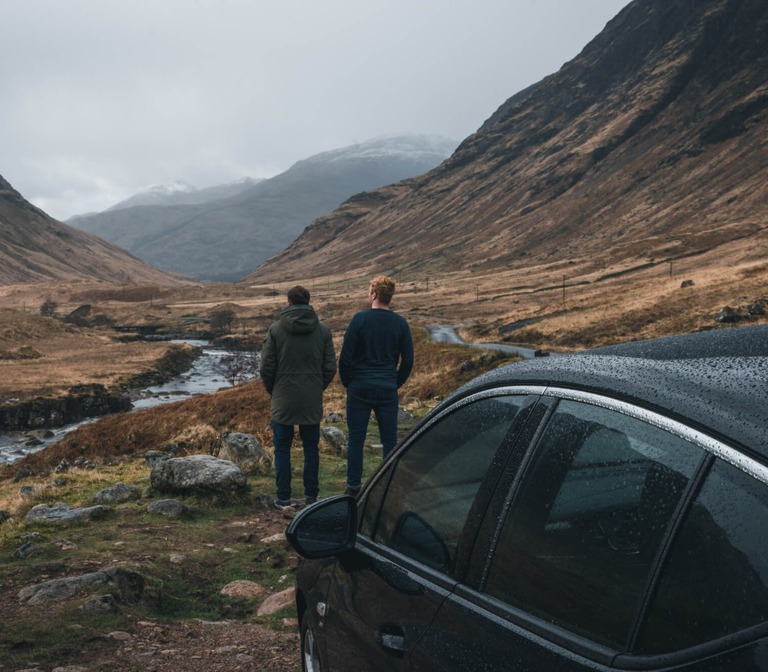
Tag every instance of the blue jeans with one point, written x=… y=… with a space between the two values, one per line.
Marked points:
x=310 y=438
x=360 y=403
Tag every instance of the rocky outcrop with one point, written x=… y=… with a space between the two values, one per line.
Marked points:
x=83 y=401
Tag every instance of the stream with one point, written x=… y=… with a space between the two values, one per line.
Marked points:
x=202 y=378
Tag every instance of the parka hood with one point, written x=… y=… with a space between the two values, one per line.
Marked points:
x=299 y=319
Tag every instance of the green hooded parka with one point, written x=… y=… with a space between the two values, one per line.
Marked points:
x=298 y=362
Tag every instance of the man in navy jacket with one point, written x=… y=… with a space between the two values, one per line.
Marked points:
x=376 y=359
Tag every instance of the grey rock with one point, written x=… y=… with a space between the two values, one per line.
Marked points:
x=103 y=604
x=245 y=451
x=172 y=508
x=61 y=512
x=728 y=315
x=119 y=492
x=336 y=437
x=63 y=467
x=196 y=472
x=152 y=457
x=128 y=584
x=28 y=549
x=24 y=472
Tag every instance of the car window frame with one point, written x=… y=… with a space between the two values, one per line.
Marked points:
x=509 y=444
x=507 y=488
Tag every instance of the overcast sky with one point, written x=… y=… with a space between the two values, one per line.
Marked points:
x=101 y=98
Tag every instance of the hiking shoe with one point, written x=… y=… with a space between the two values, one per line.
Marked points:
x=283 y=503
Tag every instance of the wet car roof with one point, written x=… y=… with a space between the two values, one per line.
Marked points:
x=716 y=381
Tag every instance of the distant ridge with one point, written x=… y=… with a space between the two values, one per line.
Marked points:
x=650 y=144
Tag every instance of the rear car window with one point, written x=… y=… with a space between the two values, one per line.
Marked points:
x=716 y=581
x=582 y=533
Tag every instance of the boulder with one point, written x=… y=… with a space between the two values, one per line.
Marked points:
x=727 y=315
x=245 y=451
x=29 y=549
x=61 y=512
x=128 y=584
x=119 y=492
x=172 y=508
x=336 y=437
x=103 y=604
x=277 y=602
x=243 y=590
x=196 y=472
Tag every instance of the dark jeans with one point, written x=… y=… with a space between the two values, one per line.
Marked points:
x=310 y=438
x=360 y=403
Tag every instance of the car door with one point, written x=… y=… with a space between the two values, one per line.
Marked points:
x=417 y=518
x=568 y=548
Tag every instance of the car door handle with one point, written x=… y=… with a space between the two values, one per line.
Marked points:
x=392 y=638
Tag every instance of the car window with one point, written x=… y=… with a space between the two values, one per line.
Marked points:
x=581 y=534
x=435 y=481
x=716 y=581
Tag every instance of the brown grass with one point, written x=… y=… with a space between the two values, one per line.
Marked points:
x=65 y=356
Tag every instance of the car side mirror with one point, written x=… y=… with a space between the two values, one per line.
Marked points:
x=324 y=529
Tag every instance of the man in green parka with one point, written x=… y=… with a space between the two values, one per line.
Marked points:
x=298 y=362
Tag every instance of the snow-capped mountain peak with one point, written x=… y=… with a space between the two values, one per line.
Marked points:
x=176 y=187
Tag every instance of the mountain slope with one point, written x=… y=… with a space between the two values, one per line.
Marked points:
x=226 y=239
x=36 y=248
x=650 y=144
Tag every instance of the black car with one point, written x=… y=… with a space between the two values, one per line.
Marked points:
x=597 y=511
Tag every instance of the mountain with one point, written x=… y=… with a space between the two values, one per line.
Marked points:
x=225 y=239
x=649 y=145
x=36 y=248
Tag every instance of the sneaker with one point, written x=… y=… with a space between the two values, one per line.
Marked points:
x=309 y=500
x=283 y=503
x=352 y=492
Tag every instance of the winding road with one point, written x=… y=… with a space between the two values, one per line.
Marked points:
x=446 y=334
